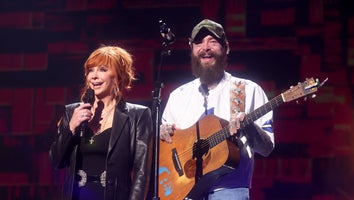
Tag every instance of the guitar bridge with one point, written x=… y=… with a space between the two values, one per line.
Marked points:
x=177 y=162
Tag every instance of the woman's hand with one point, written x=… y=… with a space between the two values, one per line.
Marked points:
x=80 y=114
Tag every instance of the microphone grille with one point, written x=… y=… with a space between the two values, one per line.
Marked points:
x=89 y=96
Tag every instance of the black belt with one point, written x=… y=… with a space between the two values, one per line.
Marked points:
x=82 y=178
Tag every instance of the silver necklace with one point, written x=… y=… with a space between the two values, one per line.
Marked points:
x=103 y=125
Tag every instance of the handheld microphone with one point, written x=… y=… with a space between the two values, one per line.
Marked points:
x=89 y=97
x=166 y=33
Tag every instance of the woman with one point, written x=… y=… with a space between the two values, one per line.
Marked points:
x=112 y=157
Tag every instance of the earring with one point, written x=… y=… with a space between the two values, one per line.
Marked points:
x=116 y=91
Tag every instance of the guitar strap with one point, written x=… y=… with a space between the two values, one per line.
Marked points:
x=237 y=104
x=237 y=96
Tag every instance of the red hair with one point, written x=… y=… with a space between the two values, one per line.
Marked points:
x=119 y=61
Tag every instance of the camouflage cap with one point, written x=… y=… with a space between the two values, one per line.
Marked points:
x=208 y=27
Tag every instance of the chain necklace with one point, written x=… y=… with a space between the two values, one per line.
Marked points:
x=102 y=125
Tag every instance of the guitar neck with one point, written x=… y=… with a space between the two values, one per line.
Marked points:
x=224 y=133
x=259 y=112
x=301 y=89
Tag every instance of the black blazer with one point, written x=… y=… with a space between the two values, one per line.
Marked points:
x=129 y=157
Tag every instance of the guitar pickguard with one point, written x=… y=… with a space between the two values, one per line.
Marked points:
x=203 y=152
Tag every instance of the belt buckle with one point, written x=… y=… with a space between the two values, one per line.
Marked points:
x=103 y=179
x=84 y=177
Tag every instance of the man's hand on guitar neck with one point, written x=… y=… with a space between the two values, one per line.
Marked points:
x=166 y=131
x=235 y=122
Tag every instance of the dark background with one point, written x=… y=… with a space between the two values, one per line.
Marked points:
x=276 y=43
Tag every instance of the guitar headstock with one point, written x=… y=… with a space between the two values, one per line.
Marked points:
x=309 y=86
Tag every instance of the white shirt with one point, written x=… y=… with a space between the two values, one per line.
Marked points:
x=185 y=107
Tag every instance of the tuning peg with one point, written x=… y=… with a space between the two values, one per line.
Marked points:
x=313 y=96
x=305 y=98
x=297 y=101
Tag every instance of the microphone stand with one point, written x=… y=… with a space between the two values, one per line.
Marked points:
x=156 y=105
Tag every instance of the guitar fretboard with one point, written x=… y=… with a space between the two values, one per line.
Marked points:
x=259 y=112
x=218 y=137
x=224 y=133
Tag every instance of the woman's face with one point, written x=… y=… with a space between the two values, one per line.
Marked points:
x=101 y=80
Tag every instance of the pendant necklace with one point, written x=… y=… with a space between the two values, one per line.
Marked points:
x=91 y=140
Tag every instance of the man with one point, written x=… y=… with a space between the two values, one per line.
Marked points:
x=216 y=92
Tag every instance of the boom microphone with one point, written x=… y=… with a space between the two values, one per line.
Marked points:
x=89 y=97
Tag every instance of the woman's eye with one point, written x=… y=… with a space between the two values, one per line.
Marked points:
x=103 y=69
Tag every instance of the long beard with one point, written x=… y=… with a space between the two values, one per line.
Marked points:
x=209 y=74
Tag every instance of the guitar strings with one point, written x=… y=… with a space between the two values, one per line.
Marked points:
x=205 y=143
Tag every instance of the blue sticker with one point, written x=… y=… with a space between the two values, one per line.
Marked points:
x=164 y=181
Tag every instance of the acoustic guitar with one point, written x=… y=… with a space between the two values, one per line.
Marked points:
x=178 y=161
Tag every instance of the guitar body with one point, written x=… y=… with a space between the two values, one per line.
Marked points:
x=177 y=162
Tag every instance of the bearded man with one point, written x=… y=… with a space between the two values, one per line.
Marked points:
x=216 y=92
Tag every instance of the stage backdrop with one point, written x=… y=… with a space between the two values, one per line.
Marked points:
x=276 y=43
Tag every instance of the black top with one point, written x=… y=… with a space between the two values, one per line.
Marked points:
x=129 y=152
x=92 y=160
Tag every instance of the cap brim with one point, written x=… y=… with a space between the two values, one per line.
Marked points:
x=204 y=31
